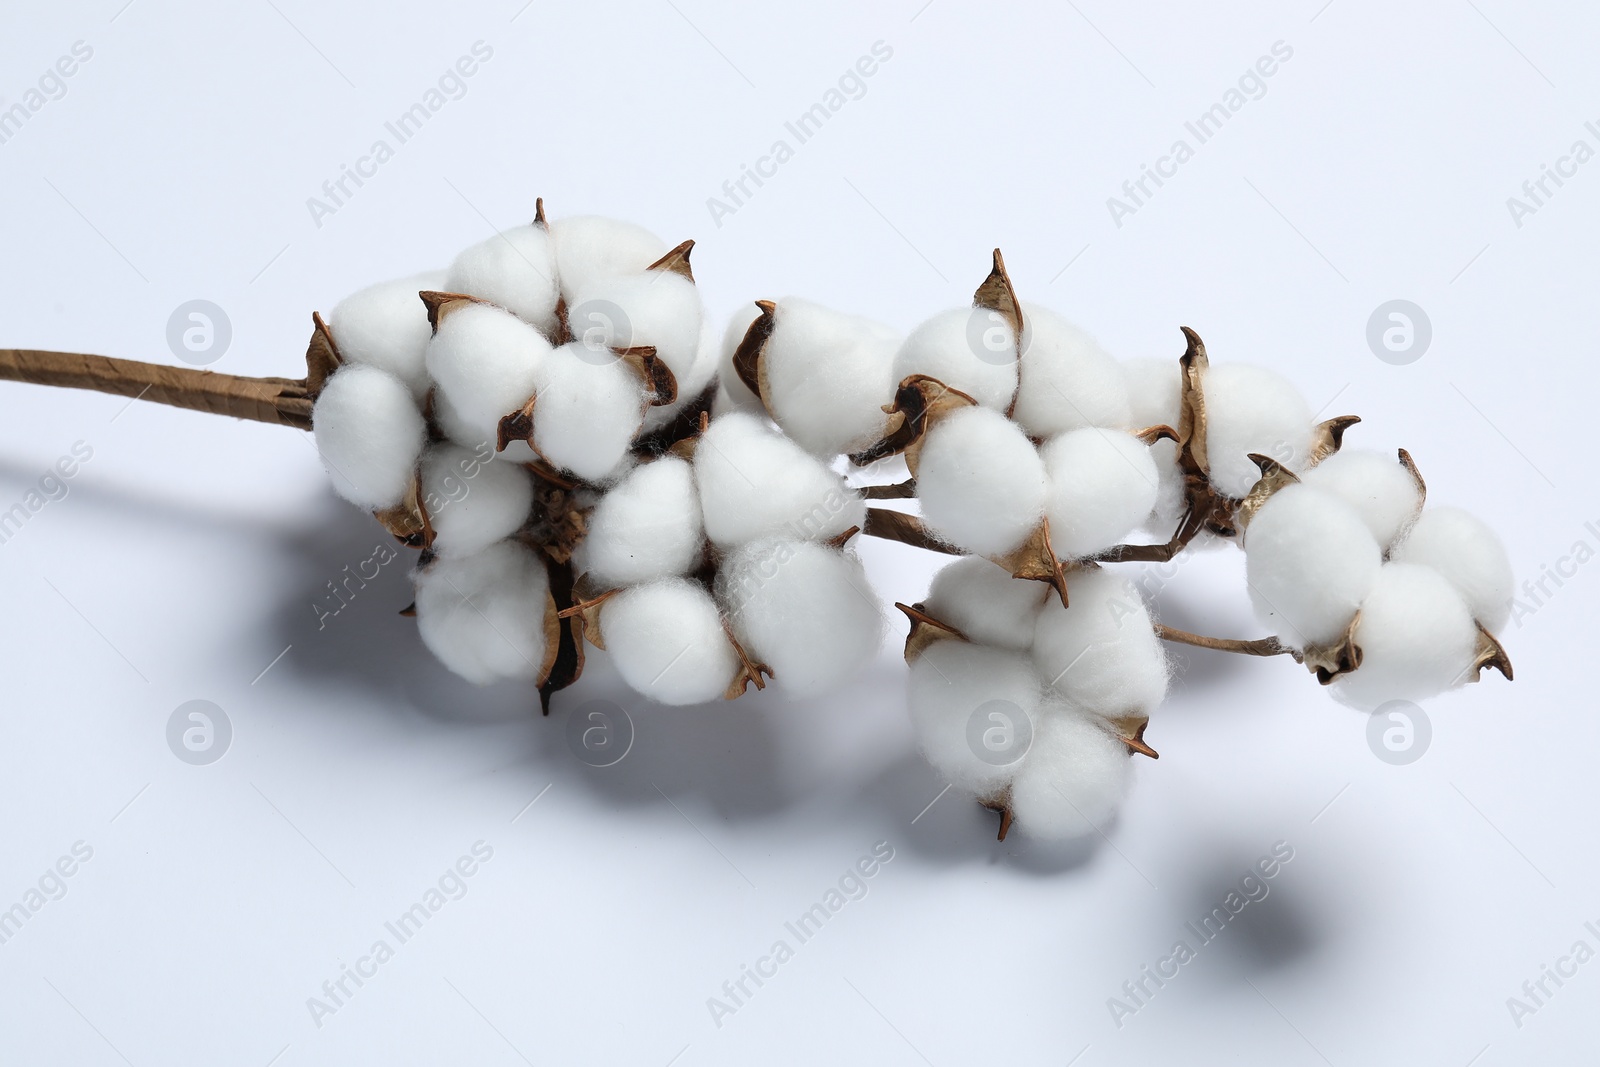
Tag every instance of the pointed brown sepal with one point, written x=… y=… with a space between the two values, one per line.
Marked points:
x=1416 y=476
x=410 y=610
x=1036 y=561
x=919 y=403
x=517 y=426
x=1491 y=653
x=838 y=541
x=747 y=357
x=1327 y=437
x=538 y=213
x=587 y=614
x=322 y=356
x=652 y=371
x=408 y=520
x=676 y=261
x=1130 y=731
x=1274 y=476
x=1328 y=662
x=441 y=304
x=563 y=330
x=925 y=631
x=1192 y=366
x=1160 y=432
x=563 y=657
x=997 y=294
x=751 y=671
x=1000 y=804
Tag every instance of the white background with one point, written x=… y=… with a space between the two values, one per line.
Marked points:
x=190 y=550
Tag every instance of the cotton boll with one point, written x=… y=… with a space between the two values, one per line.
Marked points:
x=515 y=269
x=805 y=610
x=590 y=248
x=1309 y=562
x=1101 y=651
x=657 y=308
x=1416 y=636
x=487 y=362
x=954 y=683
x=1154 y=392
x=472 y=501
x=1103 y=484
x=483 y=615
x=1074 y=778
x=646 y=527
x=587 y=413
x=985 y=603
x=947 y=347
x=755 y=483
x=737 y=393
x=667 y=640
x=1470 y=555
x=1380 y=490
x=369 y=434
x=1067 y=380
x=1252 y=409
x=829 y=376
x=386 y=326
x=980 y=481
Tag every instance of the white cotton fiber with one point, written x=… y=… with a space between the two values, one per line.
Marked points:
x=1416 y=636
x=1073 y=779
x=985 y=603
x=647 y=526
x=386 y=326
x=483 y=615
x=587 y=413
x=1067 y=380
x=1380 y=490
x=515 y=269
x=733 y=387
x=1101 y=651
x=755 y=483
x=980 y=481
x=1252 y=409
x=472 y=501
x=590 y=248
x=692 y=384
x=667 y=640
x=1103 y=484
x=952 y=684
x=1471 y=556
x=369 y=434
x=1154 y=392
x=829 y=376
x=488 y=363
x=803 y=609
x=656 y=307
x=1310 y=560
x=948 y=347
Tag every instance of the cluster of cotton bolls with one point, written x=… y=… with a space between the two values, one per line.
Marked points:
x=1348 y=555
x=1032 y=707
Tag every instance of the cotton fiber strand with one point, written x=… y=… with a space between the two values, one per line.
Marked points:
x=1471 y=556
x=756 y=483
x=1074 y=777
x=488 y=363
x=1416 y=636
x=1101 y=653
x=386 y=326
x=483 y=615
x=648 y=526
x=828 y=377
x=1381 y=491
x=1067 y=380
x=1310 y=560
x=668 y=643
x=951 y=683
x=473 y=500
x=1102 y=486
x=369 y=433
x=980 y=481
x=516 y=270
x=1252 y=409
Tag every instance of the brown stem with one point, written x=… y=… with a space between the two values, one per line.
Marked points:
x=1261 y=646
x=283 y=401
x=906 y=490
x=907 y=529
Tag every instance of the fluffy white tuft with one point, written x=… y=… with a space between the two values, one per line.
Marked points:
x=755 y=483
x=980 y=481
x=516 y=270
x=472 y=502
x=1067 y=380
x=590 y=248
x=984 y=602
x=1074 y=777
x=646 y=527
x=947 y=347
x=1309 y=562
x=588 y=411
x=488 y=363
x=1252 y=409
x=483 y=615
x=735 y=390
x=386 y=326
x=1380 y=490
x=1154 y=392
x=657 y=308
x=828 y=376
x=1471 y=556
x=1416 y=636
x=1103 y=484
x=805 y=610
x=369 y=433
x=1101 y=651
x=693 y=384
x=667 y=640
x=954 y=682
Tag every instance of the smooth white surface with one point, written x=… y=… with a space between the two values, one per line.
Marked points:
x=187 y=557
